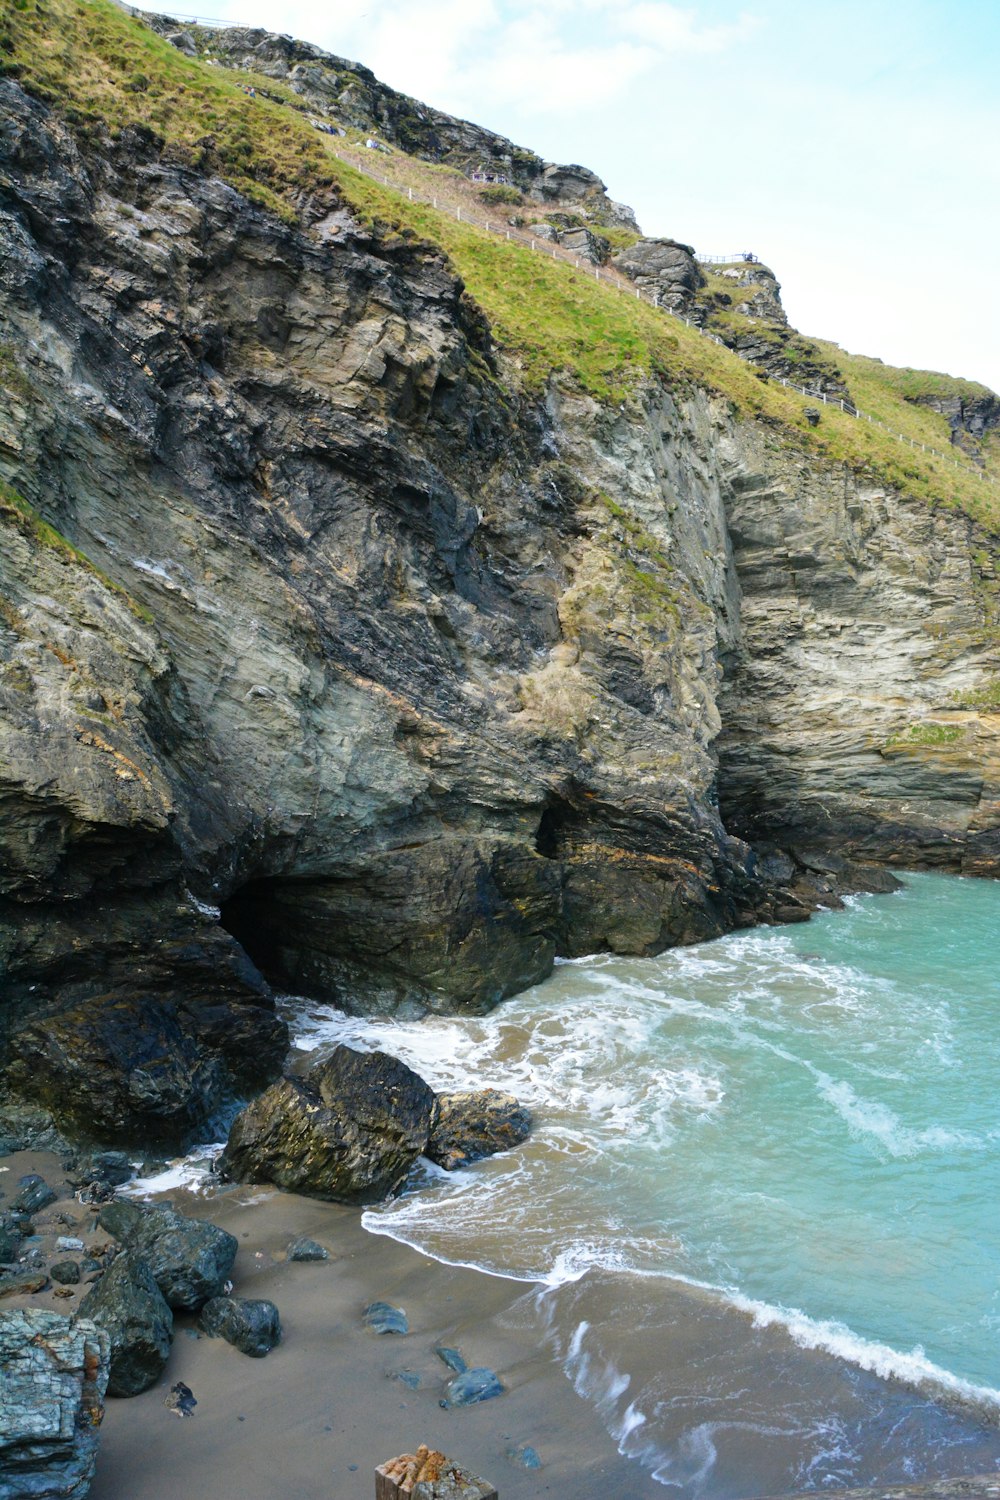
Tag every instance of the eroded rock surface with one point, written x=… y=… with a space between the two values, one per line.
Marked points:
x=481 y=1122
x=54 y=1375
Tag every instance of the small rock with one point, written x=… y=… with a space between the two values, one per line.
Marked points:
x=67 y=1242
x=306 y=1249
x=250 y=1325
x=181 y=1400
x=452 y=1359
x=63 y=1291
x=23 y=1283
x=410 y=1378
x=35 y=1195
x=471 y=1386
x=382 y=1317
x=66 y=1272
x=811 y=414
x=525 y=1458
x=128 y=1303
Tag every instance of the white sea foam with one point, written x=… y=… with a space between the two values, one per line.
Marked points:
x=870 y=1117
x=189 y=1172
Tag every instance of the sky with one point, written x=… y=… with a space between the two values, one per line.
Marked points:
x=854 y=145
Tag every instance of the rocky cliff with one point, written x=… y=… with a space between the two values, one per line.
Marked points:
x=337 y=655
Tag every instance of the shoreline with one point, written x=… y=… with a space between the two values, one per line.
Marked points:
x=312 y=1419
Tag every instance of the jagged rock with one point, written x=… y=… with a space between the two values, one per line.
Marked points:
x=111 y=1168
x=250 y=1325
x=33 y=1195
x=304 y=1249
x=663 y=269
x=190 y=1259
x=350 y=1130
x=472 y=1386
x=129 y=1305
x=471 y=1125
x=55 y=1372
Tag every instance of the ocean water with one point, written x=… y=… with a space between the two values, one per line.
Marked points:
x=759 y=1217
x=794 y=1131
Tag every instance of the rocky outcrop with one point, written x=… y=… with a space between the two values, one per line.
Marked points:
x=129 y=1306
x=349 y=1131
x=850 y=704
x=341 y=93
x=664 y=270
x=972 y=415
x=55 y=1371
x=472 y=1125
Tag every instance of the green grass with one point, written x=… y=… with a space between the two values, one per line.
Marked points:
x=14 y=509
x=12 y=377
x=83 y=57
x=926 y=736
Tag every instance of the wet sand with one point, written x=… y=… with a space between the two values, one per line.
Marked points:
x=294 y=1425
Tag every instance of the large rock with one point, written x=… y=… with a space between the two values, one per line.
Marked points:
x=664 y=269
x=250 y=1324
x=476 y=1124
x=350 y=1130
x=54 y=1375
x=190 y=1259
x=129 y=1305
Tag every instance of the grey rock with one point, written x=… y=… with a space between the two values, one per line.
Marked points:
x=112 y=1168
x=66 y=1272
x=475 y=1124
x=10 y=1238
x=664 y=269
x=249 y=1324
x=382 y=1317
x=305 y=1249
x=128 y=1304
x=349 y=1131
x=190 y=1259
x=524 y=1457
x=472 y=1386
x=33 y=1195
x=55 y=1372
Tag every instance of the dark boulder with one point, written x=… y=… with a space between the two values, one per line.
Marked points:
x=109 y=1168
x=129 y=1305
x=55 y=1370
x=66 y=1272
x=306 y=1249
x=349 y=1131
x=250 y=1325
x=190 y=1259
x=476 y=1124
x=10 y=1239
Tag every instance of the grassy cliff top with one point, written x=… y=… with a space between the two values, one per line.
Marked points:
x=104 y=72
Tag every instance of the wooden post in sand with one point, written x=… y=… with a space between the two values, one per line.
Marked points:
x=428 y=1475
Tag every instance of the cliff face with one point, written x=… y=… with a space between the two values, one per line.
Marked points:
x=354 y=668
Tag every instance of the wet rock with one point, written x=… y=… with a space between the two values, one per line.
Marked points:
x=34 y=1195
x=66 y=1272
x=129 y=1305
x=55 y=1371
x=480 y=1384
x=190 y=1259
x=382 y=1317
x=452 y=1359
x=181 y=1400
x=306 y=1249
x=524 y=1457
x=23 y=1283
x=10 y=1239
x=472 y=1125
x=349 y=1131
x=250 y=1325
x=109 y=1168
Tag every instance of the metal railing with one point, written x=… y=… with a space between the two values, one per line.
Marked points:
x=742 y=257
x=614 y=280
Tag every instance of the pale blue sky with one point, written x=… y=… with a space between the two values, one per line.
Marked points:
x=854 y=146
